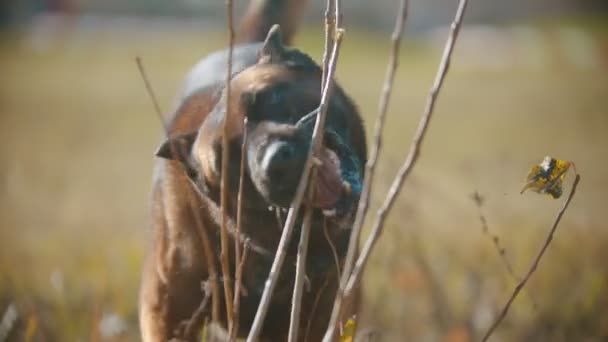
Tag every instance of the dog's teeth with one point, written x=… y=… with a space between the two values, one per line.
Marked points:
x=317 y=161
x=346 y=187
x=270 y=208
x=329 y=212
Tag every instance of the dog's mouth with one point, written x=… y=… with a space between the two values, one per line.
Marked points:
x=337 y=184
x=329 y=187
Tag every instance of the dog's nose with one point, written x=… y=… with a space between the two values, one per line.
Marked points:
x=281 y=162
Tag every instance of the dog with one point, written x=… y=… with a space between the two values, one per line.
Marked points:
x=277 y=89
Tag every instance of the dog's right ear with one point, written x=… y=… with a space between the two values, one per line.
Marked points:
x=273 y=49
x=177 y=148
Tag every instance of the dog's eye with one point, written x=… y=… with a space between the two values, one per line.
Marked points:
x=274 y=97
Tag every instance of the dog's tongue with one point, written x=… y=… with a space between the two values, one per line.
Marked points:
x=329 y=180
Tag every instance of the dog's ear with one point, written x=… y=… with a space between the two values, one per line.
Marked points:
x=273 y=49
x=177 y=148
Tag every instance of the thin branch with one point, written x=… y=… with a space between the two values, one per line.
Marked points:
x=535 y=263
x=333 y=32
x=330 y=26
x=298 y=288
x=414 y=152
x=370 y=166
x=332 y=246
x=224 y=253
x=202 y=231
x=502 y=253
x=404 y=171
x=150 y=90
x=8 y=322
x=314 y=308
x=189 y=329
x=238 y=282
x=297 y=201
x=238 y=264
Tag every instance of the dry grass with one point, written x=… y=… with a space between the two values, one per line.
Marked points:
x=79 y=134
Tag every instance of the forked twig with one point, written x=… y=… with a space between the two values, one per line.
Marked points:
x=224 y=250
x=202 y=231
x=535 y=263
x=298 y=196
x=370 y=166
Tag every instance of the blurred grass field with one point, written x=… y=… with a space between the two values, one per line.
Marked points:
x=79 y=132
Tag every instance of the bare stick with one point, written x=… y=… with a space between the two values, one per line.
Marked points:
x=330 y=25
x=332 y=246
x=297 y=201
x=370 y=166
x=8 y=321
x=224 y=254
x=535 y=263
x=332 y=29
x=202 y=231
x=238 y=282
x=298 y=288
x=414 y=152
x=485 y=229
x=238 y=264
x=315 y=306
x=191 y=325
x=150 y=90
x=404 y=171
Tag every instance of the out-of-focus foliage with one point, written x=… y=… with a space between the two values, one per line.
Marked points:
x=79 y=133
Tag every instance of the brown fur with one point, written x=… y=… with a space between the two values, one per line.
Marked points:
x=175 y=265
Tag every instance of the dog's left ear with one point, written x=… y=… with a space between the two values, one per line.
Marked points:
x=177 y=148
x=273 y=49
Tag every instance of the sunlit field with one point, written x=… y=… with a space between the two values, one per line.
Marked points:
x=78 y=136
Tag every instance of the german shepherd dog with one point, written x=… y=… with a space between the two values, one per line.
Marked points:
x=277 y=89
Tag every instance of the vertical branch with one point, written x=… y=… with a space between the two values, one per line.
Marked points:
x=404 y=171
x=370 y=166
x=238 y=282
x=191 y=326
x=535 y=263
x=225 y=178
x=414 y=152
x=299 y=195
x=298 y=288
x=330 y=25
x=202 y=231
x=238 y=264
x=485 y=229
x=333 y=35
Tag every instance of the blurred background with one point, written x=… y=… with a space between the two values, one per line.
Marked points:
x=528 y=79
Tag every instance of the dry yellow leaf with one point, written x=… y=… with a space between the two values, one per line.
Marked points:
x=547 y=177
x=348 y=331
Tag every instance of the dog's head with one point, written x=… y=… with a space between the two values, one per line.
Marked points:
x=279 y=97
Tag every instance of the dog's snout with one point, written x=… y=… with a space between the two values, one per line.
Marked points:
x=280 y=161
